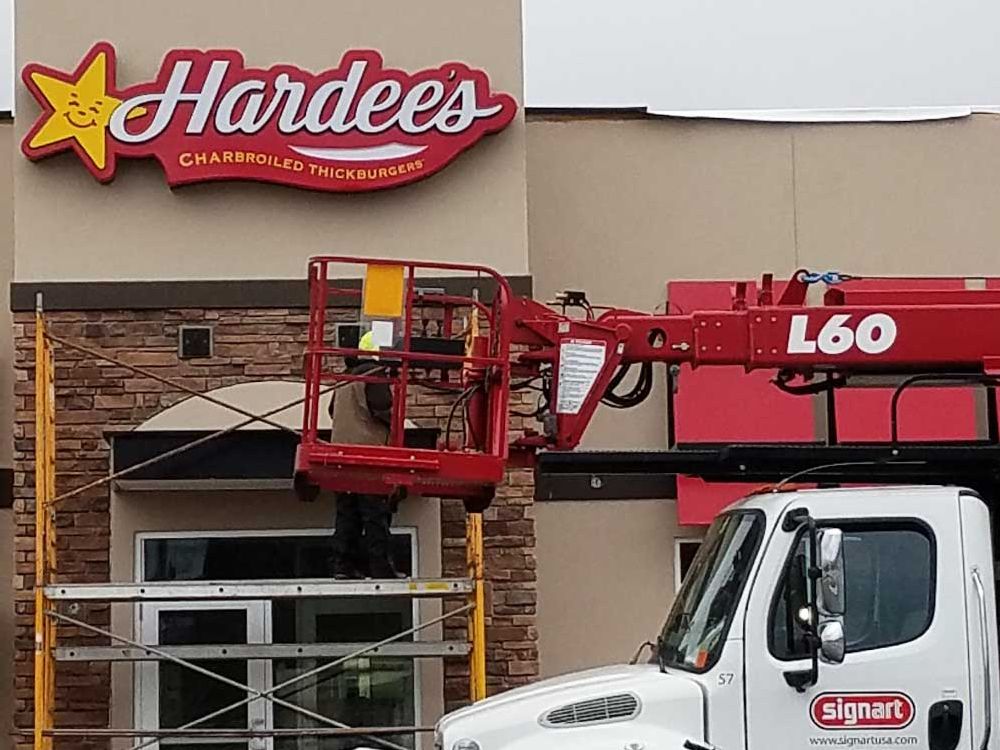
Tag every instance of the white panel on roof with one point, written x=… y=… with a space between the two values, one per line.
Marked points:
x=7 y=55
x=757 y=59
x=584 y=53
x=725 y=57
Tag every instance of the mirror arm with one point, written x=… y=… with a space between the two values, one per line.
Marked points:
x=795 y=519
x=800 y=679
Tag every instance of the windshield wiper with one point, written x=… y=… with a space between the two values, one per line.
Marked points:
x=658 y=653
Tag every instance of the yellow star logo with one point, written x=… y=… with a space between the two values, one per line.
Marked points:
x=78 y=109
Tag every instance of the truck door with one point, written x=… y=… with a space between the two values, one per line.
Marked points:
x=905 y=675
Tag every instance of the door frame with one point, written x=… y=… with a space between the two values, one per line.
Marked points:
x=862 y=671
x=138 y=558
x=147 y=685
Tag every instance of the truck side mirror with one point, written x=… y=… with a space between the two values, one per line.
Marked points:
x=832 y=643
x=830 y=593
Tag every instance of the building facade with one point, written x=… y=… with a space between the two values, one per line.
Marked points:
x=614 y=203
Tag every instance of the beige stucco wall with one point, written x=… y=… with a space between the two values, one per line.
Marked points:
x=617 y=207
x=138 y=229
x=6 y=274
x=900 y=199
x=605 y=579
x=6 y=623
x=136 y=512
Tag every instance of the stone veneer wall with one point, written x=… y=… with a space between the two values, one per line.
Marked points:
x=93 y=395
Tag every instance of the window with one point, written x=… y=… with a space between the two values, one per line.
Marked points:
x=889 y=593
x=367 y=691
x=684 y=552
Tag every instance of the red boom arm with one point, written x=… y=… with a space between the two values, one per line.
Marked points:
x=579 y=361
x=852 y=332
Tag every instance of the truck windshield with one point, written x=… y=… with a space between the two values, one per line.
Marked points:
x=698 y=622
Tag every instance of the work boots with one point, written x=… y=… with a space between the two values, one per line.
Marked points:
x=377 y=567
x=344 y=569
x=383 y=567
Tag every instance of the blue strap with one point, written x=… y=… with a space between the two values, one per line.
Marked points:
x=830 y=278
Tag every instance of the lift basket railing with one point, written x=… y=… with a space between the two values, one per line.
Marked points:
x=443 y=332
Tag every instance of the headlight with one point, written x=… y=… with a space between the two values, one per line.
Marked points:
x=465 y=745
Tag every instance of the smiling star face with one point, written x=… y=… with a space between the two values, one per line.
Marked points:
x=86 y=112
x=79 y=109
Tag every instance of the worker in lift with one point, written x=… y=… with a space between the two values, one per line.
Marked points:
x=361 y=413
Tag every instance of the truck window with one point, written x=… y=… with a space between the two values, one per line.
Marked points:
x=699 y=620
x=889 y=591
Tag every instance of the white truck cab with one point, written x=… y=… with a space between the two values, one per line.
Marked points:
x=822 y=618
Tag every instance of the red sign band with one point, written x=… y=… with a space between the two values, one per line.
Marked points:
x=862 y=710
x=360 y=126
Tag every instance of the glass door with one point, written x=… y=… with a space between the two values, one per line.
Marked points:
x=369 y=691
x=170 y=695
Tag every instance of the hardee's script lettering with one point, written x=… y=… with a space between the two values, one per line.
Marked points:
x=337 y=106
x=206 y=116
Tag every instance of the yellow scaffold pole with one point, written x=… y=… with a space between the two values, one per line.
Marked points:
x=474 y=559
x=45 y=540
x=477 y=615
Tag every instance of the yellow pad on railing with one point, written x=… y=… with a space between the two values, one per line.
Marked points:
x=383 y=291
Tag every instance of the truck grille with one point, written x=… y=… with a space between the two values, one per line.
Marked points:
x=621 y=707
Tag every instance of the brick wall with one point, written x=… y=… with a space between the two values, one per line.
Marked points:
x=509 y=540
x=93 y=395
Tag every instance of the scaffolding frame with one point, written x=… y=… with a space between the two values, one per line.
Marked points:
x=49 y=593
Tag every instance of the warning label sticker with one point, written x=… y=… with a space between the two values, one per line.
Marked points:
x=580 y=362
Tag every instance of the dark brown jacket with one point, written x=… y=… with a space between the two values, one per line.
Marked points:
x=362 y=412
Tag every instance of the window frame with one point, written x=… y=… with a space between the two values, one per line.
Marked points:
x=678 y=543
x=879 y=523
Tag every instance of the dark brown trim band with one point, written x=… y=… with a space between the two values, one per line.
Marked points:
x=6 y=488
x=610 y=113
x=604 y=486
x=237 y=293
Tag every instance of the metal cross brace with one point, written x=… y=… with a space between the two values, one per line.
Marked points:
x=185 y=447
x=97 y=354
x=268 y=694
x=251 y=417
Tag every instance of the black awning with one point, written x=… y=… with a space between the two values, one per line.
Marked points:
x=648 y=474
x=241 y=455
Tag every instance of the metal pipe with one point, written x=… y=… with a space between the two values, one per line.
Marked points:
x=44 y=686
x=234 y=733
x=958 y=378
x=477 y=603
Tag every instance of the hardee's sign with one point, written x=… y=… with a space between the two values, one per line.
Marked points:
x=360 y=126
